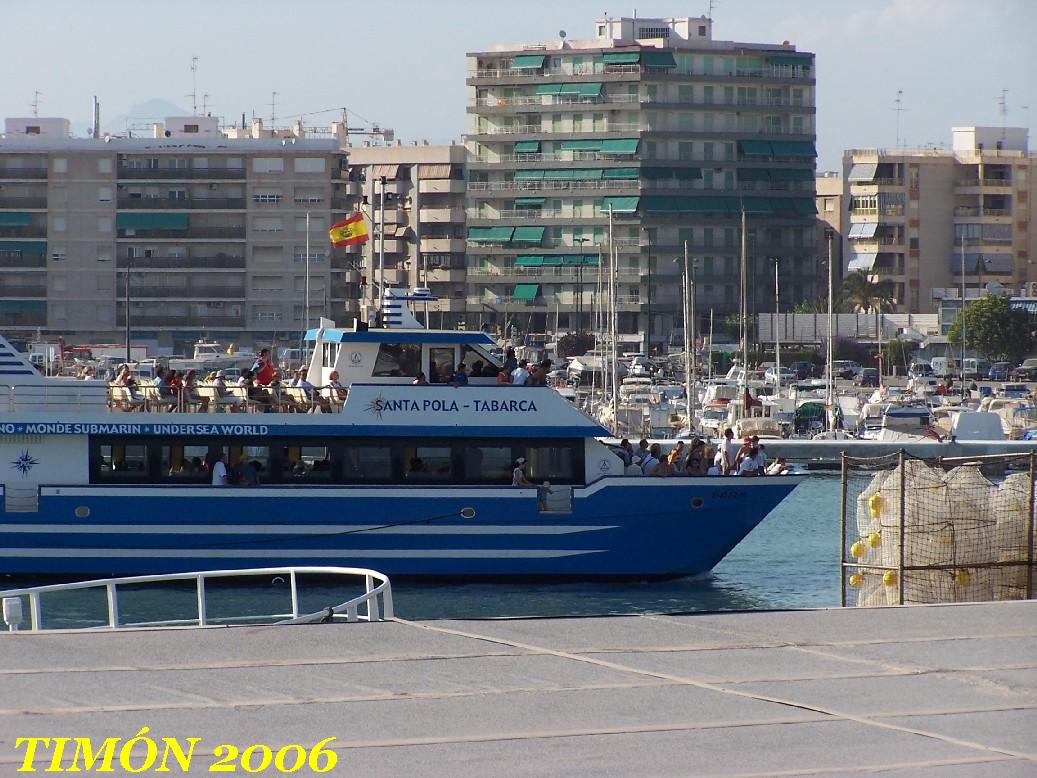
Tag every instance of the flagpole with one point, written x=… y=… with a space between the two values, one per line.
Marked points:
x=306 y=301
x=381 y=248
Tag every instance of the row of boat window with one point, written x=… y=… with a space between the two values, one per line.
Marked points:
x=428 y=461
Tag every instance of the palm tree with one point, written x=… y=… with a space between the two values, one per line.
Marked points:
x=861 y=294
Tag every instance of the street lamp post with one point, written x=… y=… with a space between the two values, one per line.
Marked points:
x=829 y=375
x=126 y=291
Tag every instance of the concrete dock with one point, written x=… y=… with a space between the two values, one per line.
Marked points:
x=923 y=690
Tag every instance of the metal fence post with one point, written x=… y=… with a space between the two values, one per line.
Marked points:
x=1030 y=528
x=903 y=513
x=842 y=532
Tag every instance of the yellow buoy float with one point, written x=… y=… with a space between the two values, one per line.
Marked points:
x=875 y=539
x=857 y=550
x=856 y=580
x=889 y=578
x=875 y=505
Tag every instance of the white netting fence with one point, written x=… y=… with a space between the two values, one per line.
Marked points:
x=930 y=531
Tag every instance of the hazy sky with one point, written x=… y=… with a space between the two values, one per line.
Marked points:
x=401 y=62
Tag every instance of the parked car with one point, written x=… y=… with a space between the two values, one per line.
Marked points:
x=770 y=376
x=803 y=370
x=920 y=370
x=1027 y=371
x=845 y=368
x=999 y=371
x=869 y=376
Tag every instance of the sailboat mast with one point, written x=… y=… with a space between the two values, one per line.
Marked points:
x=745 y=304
x=613 y=324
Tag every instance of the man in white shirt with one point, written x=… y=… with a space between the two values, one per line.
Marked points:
x=520 y=374
x=652 y=460
x=219 y=470
x=300 y=382
x=730 y=446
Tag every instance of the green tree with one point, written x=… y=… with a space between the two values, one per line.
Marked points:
x=575 y=345
x=862 y=295
x=897 y=353
x=995 y=330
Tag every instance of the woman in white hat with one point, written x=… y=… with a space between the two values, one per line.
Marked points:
x=518 y=475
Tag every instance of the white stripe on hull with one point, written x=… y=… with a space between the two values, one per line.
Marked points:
x=273 y=553
x=299 y=529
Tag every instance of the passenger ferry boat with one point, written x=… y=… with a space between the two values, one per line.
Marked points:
x=412 y=480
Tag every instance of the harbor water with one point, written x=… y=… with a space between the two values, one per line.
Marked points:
x=790 y=561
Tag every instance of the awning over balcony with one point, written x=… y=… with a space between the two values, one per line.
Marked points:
x=529 y=175
x=527 y=147
x=793 y=148
x=490 y=234
x=526 y=292
x=437 y=171
x=583 y=90
x=390 y=172
x=994 y=264
x=556 y=260
x=529 y=261
x=757 y=205
x=573 y=174
x=529 y=202
x=755 y=148
x=528 y=235
x=528 y=61
x=151 y=221
x=654 y=58
x=620 y=146
x=548 y=89
x=662 y=204
x=804 y=206
x=15 y=219
x=866 y=230
x=620 y=204
x=679 y=173
x=791 y=174
x=621 y=57
x=35 y=247
x=23 y=306
x=997 y=263
x=617 y=173
x=863 y=172
x=862 y=261
x=581 y=145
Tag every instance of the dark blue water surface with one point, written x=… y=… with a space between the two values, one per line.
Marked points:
x=790 y=561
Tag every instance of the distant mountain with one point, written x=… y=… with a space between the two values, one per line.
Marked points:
x=141 y=115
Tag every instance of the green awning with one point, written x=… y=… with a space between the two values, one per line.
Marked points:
x=791 y=174
x=151 y=221
x=528 y=235
x=754 y=174
x=529 y=202
x=805 y=206
x=582 y=145
x=548 y=89
x=620 y=146
x=526 y=292
x=679 y=173
x=14 y=219
x=38 y=247
x=588 y=90
x=573 y=174
x=23 y=306
x=792 y=148
x=528 y=61
x=569 y=89
x=755 y=148
x=490 y=234
x=620 y=173
x=529 y=261
x=570 y=260
x=663 y=204
x=800 y=61
x=527 y=147
x=620 y=204
x=621 y=57
x=757 y=205
x=529 y=175
x=658 y=59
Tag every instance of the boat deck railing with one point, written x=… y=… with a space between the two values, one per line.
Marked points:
x=375 y=604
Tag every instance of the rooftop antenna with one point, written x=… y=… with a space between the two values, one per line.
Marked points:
x=35 y=104
x=1002 y=108
x=899 y=108
x=194 y=86
x=273 y=109
x=205 y=99
x=712 y=5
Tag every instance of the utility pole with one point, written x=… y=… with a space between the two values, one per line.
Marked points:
x=194 y=86
x=381 y=247
x=35 y=104
x=963 y=317
x=689 y=340
x=777 y=337
x=829 y=374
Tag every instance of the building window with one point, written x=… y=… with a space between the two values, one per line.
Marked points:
x=60 y=165
x=104 y=254
x=59 y=224
x=702 y=31
x=57 y=255
x=104 y=165
x=191 y=128
x=654 y=32
x=104 y=224
x=104 y=194
x=268 y=165
x=267 y=198
x=309 y=165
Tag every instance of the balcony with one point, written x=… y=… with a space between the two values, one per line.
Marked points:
x=31 y=231
x=391 y=245
x=184 y=321
x=344 y=292
x=179 y=174
x=445 y=275
x=441 y=215
x=12 y=259
x=16 y=173
x=34 y=319
x=190 y=204
x=351 y=188
x=23 y=290
x=443 y=245
x=544 y=186
x=23 y=202
x=214 y=262
x=442 y=186
x=342 y=203
x=192 y=233
x=551 y=101
x=199 y=291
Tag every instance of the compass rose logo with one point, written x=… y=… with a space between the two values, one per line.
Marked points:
x=24 y=463
x=377 y=405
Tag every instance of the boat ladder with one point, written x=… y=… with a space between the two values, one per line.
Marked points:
x=375 y=604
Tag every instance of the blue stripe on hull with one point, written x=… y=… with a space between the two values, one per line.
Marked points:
x=614 y=530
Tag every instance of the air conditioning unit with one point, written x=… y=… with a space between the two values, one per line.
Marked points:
x=212 y=186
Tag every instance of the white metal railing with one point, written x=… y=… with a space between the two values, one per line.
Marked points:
x=375 y=604
x=531 y=186
x=562 y=156
x=491 y=102
x=535 y=129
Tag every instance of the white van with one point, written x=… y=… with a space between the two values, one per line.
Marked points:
x=976 y=368
x=944 y=366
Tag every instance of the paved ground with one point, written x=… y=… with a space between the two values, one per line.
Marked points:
x=932 y=690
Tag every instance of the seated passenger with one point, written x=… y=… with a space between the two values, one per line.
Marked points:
x=459 y=377
x=420 y=380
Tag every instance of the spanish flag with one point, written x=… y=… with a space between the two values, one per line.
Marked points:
x=348 y=232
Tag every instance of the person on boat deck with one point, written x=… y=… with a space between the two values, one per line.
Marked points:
x=419 y=379
x=190 y=392
x=334 y=390
x=662 y=468
x=543 y=490
x=458 y=377
x=730 y=447
x=677 y=456
x=648 y=463
x=634 y=468
x=219 y=469
x=743 y=452
x=263 y=368
x=503 y=377
x=510 y=362
x=747 y=466
x=642 y=449
x=125 y=378
x=415 y=467
x=520 y=375
x=89 y=374
x=300 y=382
x=761 y=455
x=162 y=382
x=219 y=385
x=539 y=375
x=777 y=467
x=626 y=452
x=477 y=369
x=719 y=462
x=518 y=475
x=245 y=474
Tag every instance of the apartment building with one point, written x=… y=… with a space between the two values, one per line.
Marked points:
x=208 y=230
x=831 y=223
x=912 y=211
x=674 y=133
x=418 y=232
